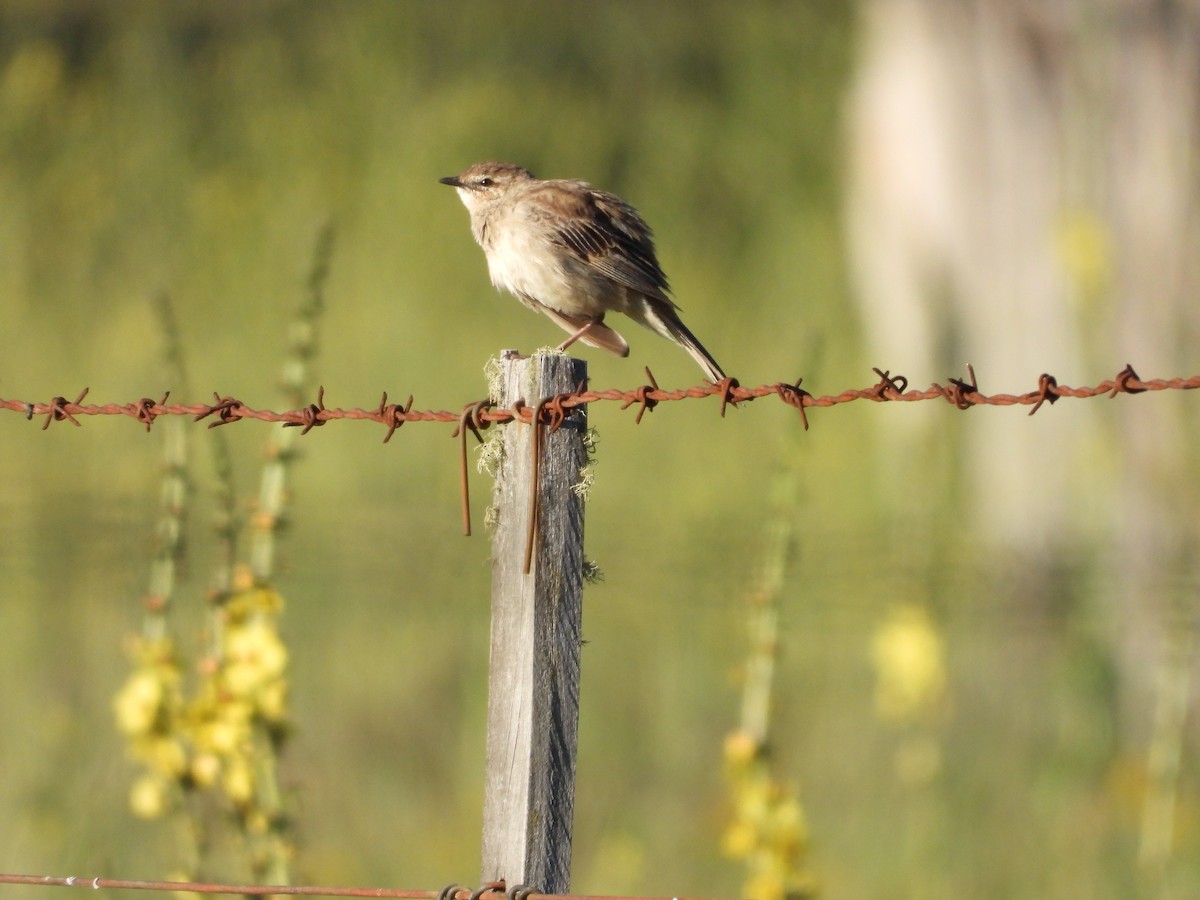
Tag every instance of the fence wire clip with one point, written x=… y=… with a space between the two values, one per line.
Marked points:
x=471 y=420
x=488 y=887
x=554 y=412
x=535 y=474
x=519 y=412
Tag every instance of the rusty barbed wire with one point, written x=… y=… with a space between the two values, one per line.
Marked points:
x=551 y=412
x=490 y=892
x=479 y=415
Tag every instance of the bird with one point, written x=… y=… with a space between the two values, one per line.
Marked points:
x=575 y=253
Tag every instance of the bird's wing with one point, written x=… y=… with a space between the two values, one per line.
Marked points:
x=609 y=235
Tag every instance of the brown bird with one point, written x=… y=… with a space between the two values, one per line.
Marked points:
x=574 y=253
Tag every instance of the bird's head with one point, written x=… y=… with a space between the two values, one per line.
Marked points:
x=485 y=182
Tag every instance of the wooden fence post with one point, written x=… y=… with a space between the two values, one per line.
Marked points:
x=533 y=678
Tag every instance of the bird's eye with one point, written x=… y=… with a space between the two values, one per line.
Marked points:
x=485 y=182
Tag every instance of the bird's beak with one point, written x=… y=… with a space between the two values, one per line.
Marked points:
x=451 y=180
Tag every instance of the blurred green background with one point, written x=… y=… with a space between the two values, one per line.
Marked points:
x=195 y=149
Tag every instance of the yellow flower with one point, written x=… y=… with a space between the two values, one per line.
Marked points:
x=165 y=754
x=255 y=655
x=205 y=769
x=738 y=839
x=789 y=823
x=138 y=702
x=272 y=701
x=221 y=736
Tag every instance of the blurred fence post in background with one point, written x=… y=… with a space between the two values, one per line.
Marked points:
x=533 y=678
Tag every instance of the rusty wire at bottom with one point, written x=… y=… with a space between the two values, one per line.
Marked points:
x=261 y=890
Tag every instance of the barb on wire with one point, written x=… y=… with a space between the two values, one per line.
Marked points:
x=57 y=409
x=961 y=394
x=311 y=415
x=393 y=415
x=641 y=396
x=227 y=410
x=1121 y=382
x=889 y=387
x=960 y=389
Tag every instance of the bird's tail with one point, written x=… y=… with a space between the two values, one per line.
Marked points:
x=662 y=318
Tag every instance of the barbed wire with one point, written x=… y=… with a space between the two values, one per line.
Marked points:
x=478 y=415
x=453 y=892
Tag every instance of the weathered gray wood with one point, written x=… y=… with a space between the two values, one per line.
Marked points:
x=533 y=682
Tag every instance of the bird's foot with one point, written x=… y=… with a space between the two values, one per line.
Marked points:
x=574 y=337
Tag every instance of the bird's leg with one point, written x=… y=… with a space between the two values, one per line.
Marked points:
x=575 y=336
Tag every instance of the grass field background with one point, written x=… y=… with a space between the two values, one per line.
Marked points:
x=196 y=150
